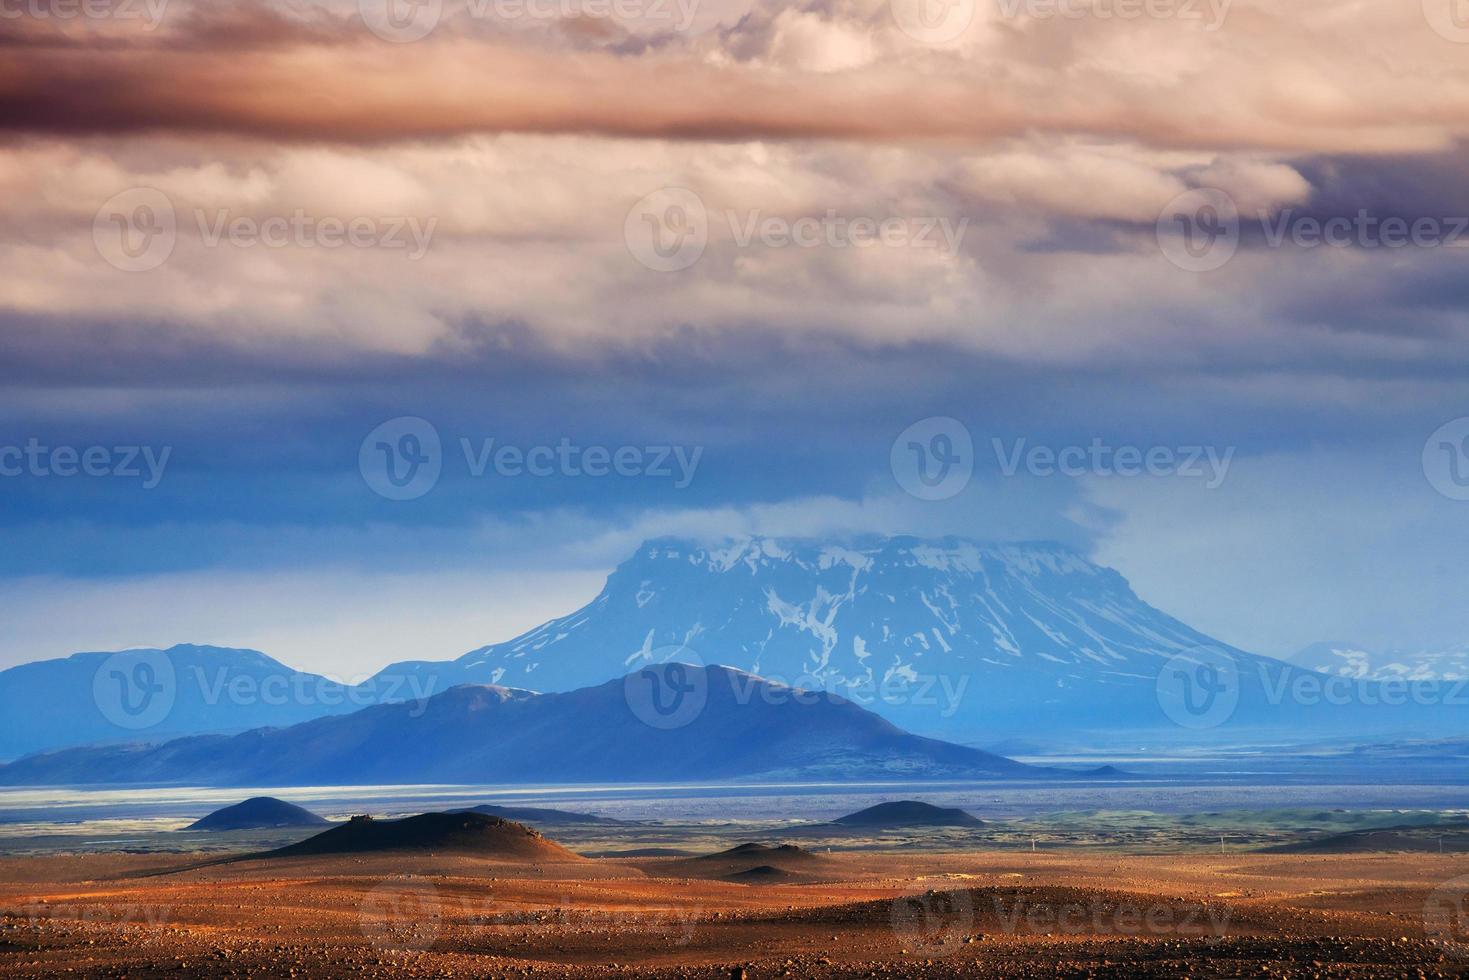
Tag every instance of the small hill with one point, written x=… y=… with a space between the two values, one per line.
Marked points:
x=751 y=862
x=760 y=875
x=909 y=813
x=543 y=816
x=258 y=813
x=471 y=834
x=780 y=853
x=1450 y=838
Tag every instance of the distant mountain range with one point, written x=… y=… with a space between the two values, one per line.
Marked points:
x=969 y=642
x=737 y=726
x=90 y=698
x=1359 y=663
x=948 y=637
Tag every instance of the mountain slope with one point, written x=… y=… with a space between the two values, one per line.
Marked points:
x=949 y=637
x=746 y=727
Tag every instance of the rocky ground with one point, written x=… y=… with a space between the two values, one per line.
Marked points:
x=979 y=914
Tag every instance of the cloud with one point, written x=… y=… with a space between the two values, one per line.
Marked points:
x=1284 y=79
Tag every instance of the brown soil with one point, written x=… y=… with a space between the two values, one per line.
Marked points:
x=893 y=914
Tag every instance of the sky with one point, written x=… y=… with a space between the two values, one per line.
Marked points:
x=590 y=272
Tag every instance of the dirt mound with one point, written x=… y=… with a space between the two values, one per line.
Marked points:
x=908 y=813
x=759 y=875
x=257 y=813
x=780 y=852
x=471 y=834
x=759 y=860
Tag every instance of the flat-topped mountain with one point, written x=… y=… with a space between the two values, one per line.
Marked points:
x=1026 y=628
x=909 y=813
x=965 y=640
x=259 y=813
